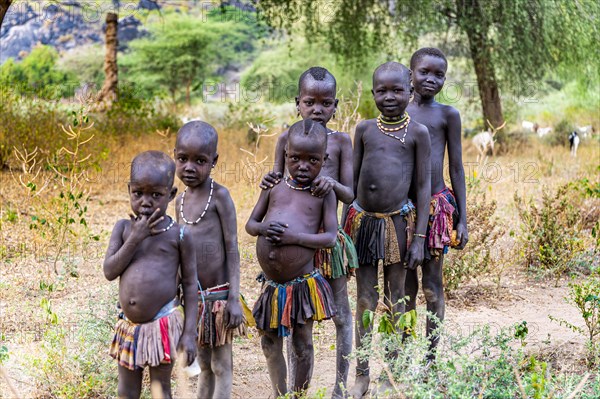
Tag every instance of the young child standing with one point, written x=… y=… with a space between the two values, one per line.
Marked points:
x=145 y=252
x=387 y=150
x=208 y=218
x=316 y=101
x=287 y=219
x=429 y=67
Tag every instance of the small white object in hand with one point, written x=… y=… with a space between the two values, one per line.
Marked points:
x=193 y=369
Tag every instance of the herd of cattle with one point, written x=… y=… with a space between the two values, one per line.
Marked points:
x=484 y=141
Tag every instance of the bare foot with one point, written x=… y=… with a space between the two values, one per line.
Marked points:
x=361 y=386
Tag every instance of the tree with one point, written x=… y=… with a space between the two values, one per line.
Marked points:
x=4 y=4
x=108 y=93
x=512 y=43
x=184 y=50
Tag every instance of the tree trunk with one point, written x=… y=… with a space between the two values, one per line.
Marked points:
x=108 y=94
x=472 y=22
x=4 y=4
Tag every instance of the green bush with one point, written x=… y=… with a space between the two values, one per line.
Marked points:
x=551 y=233
x=559 y=136
x=476 y=259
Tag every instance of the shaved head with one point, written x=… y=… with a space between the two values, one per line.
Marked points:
x=422 y=52
x=319 y=74
x=201 y=130
x=155 y=162
x=392 y=66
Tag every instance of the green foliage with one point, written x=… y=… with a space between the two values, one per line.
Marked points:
x=4 y=355
x=183 y=51
x=476 y=259
x=37 y=75
x=73 y=362
x=585 y=296
x=550 y=232
x=559 y=136
x=58 y=197
x=472 y=364
x=86 y=63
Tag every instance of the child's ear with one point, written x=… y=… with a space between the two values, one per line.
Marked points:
x=336 y=103
x=173 y=193
x=215 y=160
x=128 y=188
x=175 y=153
x=372 y=93
x=326 y=157
x=297 y=101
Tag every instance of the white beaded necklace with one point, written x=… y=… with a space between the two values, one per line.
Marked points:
x=205 y=208
x=166 y=228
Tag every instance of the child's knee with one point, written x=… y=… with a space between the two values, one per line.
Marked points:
x=221 y=368
x=303 y=348
x=367 y=300
x=269 y=345
x=433 y=292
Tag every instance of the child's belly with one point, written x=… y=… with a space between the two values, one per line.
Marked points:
x=282 y=263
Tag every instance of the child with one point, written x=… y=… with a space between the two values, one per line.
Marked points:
x=207 y=213
x=429 y=67
x=145 y=252
x=381 y=219
x=287 y=220
x=316 y=100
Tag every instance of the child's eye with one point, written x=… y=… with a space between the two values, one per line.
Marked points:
x=181 y=159
x=295 y=159
x=314 y=160
x=156 y=195
x=201 y=161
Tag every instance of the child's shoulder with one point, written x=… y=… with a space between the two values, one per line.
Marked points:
x=418 y=129
x=365 y=124
x=449 y=110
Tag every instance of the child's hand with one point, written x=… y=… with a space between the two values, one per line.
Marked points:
x=462 y=235
x=270 y=179
x=415 y=255
x=143 y=226
x=322 y=186
x=273 y=231
x=233 y=313
x=187 y=347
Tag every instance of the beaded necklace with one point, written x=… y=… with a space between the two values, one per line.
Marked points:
x=332 y=132
x=287 y=181
x=387 y=131
x=166 y=228
x=395 y=120
x=205 y=208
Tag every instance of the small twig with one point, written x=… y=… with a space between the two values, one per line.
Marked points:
x=520 y=383
x=579 y=386
x=9 y=382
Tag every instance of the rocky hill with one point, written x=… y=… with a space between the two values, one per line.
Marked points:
x=68 y=24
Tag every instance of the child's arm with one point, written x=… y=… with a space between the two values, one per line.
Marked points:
x=326 y=239
x=120 y=252
x=344 y=187
x=274 y=177
x=189 y=281
x=457 y=174
x=422 y=167
x=255 y=226
x=357 y=154
x=227 y=216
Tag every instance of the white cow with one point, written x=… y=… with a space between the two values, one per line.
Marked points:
x=529 y=126
x=586 y=131
x=542 y=131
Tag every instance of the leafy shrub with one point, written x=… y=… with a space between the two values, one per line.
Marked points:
x=476 y=259
x=559 y=136
x=585 y=296
x=475 y=364
x=550 y=234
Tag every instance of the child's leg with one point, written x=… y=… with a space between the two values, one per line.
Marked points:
x=206 y=380
x=343 y=332
x=433 y=289
x=303 y=349
x=366 y=281
x=412 y=288
x=130 y=383
x=160 y=381
x=272 y=347
x=222 y=368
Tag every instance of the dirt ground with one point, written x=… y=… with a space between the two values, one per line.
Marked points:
x=519 y=296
